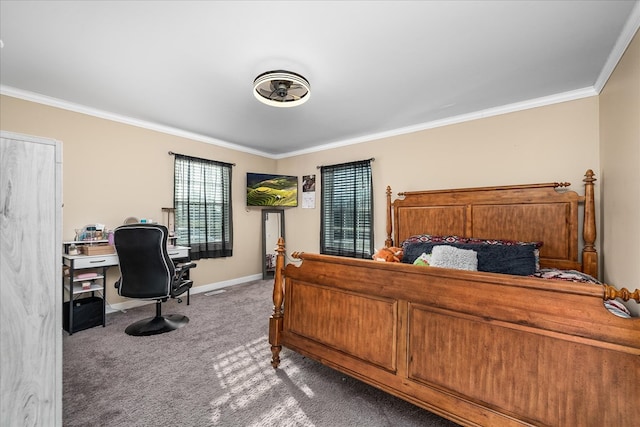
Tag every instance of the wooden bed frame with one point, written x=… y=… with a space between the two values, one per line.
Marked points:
x=481 y=349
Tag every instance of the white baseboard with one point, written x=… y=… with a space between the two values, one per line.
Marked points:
x=132 y=303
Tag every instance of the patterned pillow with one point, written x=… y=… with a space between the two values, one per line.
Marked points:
x=566 y=275
x=432 y=238
x=617 y=308
x=505 y=259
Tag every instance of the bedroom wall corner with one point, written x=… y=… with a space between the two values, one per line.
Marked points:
x=620 y=162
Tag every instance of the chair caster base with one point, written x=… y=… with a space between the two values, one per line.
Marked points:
x=157 y=325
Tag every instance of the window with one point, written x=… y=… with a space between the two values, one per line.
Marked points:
x=202 y=201
x=346 y=227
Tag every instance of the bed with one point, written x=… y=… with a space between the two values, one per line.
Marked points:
x=476 y=347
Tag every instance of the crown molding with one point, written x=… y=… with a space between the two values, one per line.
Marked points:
x=505 y=109
x=58 y=103
x=628 y=32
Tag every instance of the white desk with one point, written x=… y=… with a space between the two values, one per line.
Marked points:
x=73 y=285
x=79 y=262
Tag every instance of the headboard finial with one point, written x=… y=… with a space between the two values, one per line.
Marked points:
x=589 y=177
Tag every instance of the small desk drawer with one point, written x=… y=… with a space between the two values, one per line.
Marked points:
x=95 y=261
x=178 y=252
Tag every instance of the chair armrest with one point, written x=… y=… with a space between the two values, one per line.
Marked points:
x=183 y=268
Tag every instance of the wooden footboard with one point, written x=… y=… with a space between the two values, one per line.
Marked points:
x=477 y=348
x=482 y=349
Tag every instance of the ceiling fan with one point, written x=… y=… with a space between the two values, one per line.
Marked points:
x=281 y=88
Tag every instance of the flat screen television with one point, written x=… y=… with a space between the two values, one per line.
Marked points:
x=271 y=190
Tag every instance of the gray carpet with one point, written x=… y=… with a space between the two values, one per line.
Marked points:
x=215 y=371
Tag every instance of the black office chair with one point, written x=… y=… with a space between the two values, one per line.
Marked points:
x=147 y=272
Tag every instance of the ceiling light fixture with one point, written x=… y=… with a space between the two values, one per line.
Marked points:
x=281 y=89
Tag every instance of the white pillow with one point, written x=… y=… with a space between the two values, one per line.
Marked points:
x=451 y=257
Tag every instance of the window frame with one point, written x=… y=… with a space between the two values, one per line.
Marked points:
x=346 y=210
x=203 y=206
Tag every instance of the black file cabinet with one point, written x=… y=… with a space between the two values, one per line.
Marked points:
x=87 y=313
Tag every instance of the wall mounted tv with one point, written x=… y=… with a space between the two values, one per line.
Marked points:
x=271 y=190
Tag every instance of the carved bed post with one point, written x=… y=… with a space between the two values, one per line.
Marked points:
x=389 y=241
x=589 y=253
x=624 y=294
x=275 y=321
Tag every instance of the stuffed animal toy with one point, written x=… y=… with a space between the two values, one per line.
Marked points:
x=390 y=254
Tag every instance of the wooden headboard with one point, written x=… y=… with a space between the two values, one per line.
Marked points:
x=536 y=212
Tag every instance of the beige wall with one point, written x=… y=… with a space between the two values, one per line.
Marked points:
x=547 y=144
x=620 y=157
x=112 y=171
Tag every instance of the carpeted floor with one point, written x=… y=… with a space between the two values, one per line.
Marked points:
x=215 y=371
